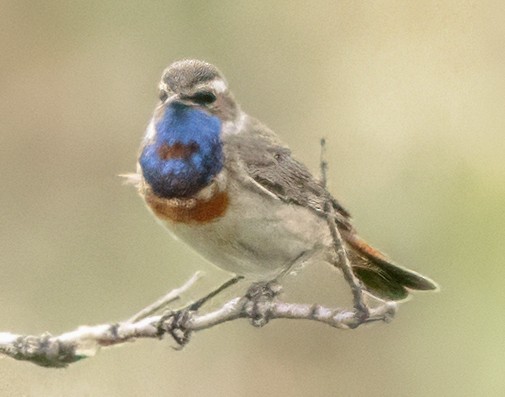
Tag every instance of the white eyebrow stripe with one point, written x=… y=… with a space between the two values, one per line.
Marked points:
x=219 y=85
x=164 y=86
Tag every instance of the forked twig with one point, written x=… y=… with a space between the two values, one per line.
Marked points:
x=61 y=350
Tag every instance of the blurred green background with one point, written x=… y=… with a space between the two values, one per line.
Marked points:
x=410 y=96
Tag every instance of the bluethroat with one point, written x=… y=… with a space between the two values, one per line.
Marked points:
x=223 y=182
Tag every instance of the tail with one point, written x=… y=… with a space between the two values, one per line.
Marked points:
x=381 y=277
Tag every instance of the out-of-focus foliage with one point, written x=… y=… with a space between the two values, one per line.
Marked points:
x=410 y=96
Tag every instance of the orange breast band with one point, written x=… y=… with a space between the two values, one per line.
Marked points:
x=189 y=210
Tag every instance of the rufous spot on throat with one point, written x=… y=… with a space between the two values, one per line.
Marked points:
x=177 y=150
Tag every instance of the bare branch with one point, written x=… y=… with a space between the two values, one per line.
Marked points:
x=59 y=351
x=260 y=305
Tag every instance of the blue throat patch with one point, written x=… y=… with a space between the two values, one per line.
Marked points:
x=186 y=153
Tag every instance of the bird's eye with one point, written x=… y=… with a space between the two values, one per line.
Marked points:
x=203 y=97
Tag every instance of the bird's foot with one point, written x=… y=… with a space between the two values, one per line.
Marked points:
x=174 y=323
x=260 y=295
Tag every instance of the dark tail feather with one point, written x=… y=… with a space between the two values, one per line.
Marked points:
x=381 y=277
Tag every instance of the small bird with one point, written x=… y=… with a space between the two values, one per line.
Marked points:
x=223 y=182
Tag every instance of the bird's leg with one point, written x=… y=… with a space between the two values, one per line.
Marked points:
x=345 y=265
x=200 y=302
x=177 y=327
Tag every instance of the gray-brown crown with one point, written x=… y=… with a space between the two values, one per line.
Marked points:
x=183 y=76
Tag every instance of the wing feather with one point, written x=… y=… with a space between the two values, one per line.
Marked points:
x=269 y=164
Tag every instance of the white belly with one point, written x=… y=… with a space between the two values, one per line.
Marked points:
x=258 y=237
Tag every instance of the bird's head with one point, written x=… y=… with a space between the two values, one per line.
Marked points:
x=200 y=85
x=182 y=151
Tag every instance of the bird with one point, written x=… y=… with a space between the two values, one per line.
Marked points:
x=225 y=184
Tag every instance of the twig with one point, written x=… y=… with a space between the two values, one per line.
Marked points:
x=60 y=351
x=323 y=164
x=165 y=300
x=344 y=263
x=342 y=259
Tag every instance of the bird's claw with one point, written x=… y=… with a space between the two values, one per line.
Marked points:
x=260 y=295
x=174 y=323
